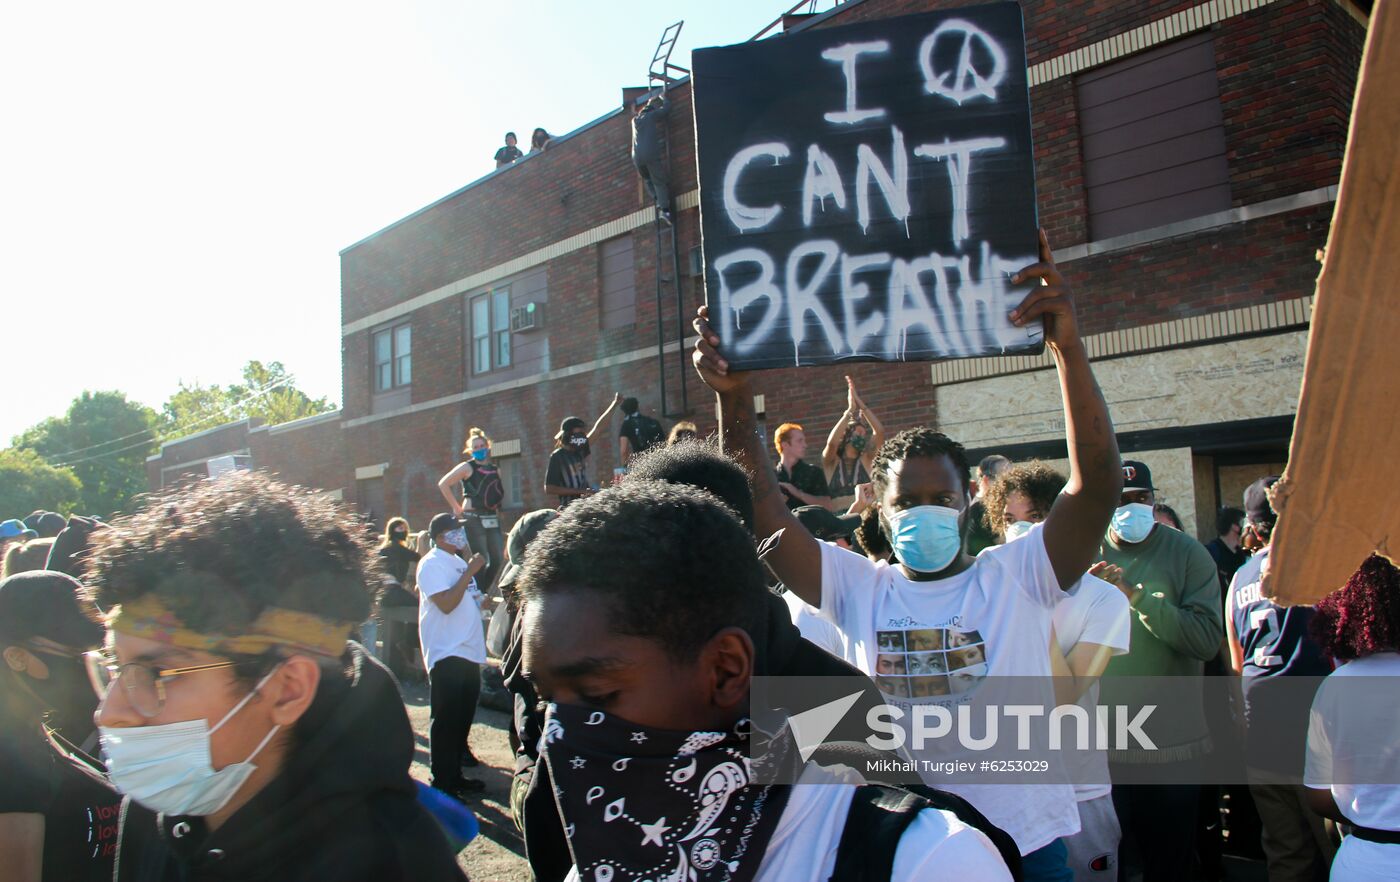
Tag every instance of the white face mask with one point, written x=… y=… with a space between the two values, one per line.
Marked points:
x=1017 y=530
x=168 y=768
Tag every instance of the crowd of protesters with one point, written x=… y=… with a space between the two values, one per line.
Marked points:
x=184 y=696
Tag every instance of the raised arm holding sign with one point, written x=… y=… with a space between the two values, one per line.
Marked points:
x=1074 y=529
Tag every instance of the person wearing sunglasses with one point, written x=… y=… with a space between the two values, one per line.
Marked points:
x=251 y=738
x=57 y=813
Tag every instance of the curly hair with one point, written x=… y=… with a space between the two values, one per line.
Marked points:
x=1363 y=616
x=918 y=442
x=698 y=464
x=219 y=552
x=1034 y=480
x=670 y=563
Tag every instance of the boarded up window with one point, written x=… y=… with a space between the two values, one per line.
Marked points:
x=1154 y=146
x=619 y=301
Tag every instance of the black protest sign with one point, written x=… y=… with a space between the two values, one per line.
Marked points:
x=866 y=192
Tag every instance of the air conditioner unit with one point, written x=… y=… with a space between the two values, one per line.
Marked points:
x=529 y=317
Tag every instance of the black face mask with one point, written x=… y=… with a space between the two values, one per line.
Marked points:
x=579 y=443
x=398 y=536
x=67 y=695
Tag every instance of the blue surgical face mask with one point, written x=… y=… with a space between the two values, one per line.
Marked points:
x=1132 y=522
x=1017 y=530
x=167 y=768
x=925 y=538
x=480 y=454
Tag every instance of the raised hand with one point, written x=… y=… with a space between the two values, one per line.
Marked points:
x=1052 y=301
x=713 y=369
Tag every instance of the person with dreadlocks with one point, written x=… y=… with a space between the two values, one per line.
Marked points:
x=995 y=608
x=1353 y=768
x=850 y=449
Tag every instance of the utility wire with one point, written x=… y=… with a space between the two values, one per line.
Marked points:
x=258 y=393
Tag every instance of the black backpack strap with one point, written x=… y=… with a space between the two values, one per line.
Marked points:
x=878 y=817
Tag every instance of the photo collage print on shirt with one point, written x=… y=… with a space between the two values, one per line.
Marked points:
x=929 y=662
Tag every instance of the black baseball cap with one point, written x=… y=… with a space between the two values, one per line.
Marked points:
x=46 y=604
x=825 y=525
x=1136 y=475
x=1257 y=509
x=521 y=535
x=568 y=425
x=441 y=523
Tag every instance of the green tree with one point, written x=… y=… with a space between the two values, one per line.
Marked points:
x=267 y=392
x=27 y=483
x=104 y=440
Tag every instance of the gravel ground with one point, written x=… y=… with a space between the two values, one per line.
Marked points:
x=497 y=854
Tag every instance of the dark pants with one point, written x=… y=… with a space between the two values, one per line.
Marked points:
x=487 y=542
x=454 y=685
x=1159 y=826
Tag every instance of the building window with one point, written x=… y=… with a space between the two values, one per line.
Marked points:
x=619 y=284
x=511 y=482
x=490 y=313
x=1153 y=139
x=393 y=358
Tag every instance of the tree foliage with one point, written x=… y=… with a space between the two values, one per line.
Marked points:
x=103 y=440
x=27 y=483
x=267 y=393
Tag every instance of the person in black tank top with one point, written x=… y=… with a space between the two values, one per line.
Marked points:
x=480 y=506
x=850 y=449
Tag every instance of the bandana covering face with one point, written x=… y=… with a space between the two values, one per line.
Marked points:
x=656 y=804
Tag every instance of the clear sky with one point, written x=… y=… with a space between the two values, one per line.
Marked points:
x=178 y=178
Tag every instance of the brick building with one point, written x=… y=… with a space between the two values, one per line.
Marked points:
x=1187 y=157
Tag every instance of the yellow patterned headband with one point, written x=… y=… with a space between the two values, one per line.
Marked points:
x=150 y=619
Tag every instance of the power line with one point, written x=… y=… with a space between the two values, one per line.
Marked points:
x=258 y=393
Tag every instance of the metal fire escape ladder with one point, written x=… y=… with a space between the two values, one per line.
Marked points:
x=667 y=264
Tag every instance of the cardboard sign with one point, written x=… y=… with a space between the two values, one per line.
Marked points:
x=1336 y=502
x=867 y=191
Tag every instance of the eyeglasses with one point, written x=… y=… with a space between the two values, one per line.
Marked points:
x=144 y=683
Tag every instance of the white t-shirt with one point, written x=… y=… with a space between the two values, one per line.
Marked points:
x=934 y=642
x=803 y=847
x=1351 y=740
x=814 y=626
x=444 y=635
x=1093 y=611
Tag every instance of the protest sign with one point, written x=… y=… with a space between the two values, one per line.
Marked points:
x=867 y=191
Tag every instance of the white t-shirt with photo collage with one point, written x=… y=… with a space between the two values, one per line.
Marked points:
x=934 y=642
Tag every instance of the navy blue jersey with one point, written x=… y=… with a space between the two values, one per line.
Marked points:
x=1277 y=652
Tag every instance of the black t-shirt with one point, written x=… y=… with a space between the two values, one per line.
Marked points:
x=397 y=560
x=79 y=808
x=508 y=154
x=566 y=469
x=805 y=477
x=483 y=488
x=642 y=432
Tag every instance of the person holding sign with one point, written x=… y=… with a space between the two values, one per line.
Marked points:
x=850 y=448
x=1004 y=599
